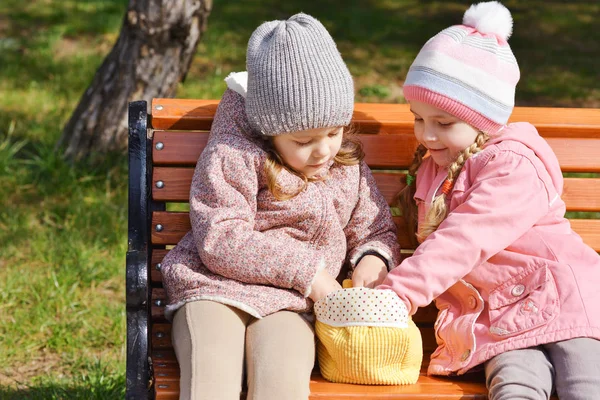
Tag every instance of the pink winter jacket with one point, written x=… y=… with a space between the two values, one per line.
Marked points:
x=250 y=251
x=505 y=268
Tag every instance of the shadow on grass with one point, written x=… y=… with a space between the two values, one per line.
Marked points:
x=44 y=43
x=107 y=389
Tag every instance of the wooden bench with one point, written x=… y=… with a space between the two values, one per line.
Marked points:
x=163 y=149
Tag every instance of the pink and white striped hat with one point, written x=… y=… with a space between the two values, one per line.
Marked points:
x=469 y=70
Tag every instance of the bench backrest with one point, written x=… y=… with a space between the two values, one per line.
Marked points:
x=165 y=146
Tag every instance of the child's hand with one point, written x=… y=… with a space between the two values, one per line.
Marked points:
x=323 y=285
x=369 y=272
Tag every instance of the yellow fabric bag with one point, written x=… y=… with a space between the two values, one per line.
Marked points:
x=366 y=337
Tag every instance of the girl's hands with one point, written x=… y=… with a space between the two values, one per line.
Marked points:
x=369 y=272
x=323 y=285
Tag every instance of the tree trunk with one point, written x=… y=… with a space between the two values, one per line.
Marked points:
x=152 y=55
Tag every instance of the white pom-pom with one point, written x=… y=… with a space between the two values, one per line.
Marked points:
x=490 y=17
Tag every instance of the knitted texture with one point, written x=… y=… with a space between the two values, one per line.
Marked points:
x=469 y=70
x=366 y=337
x=297 y=79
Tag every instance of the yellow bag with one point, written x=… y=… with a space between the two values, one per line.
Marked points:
x=366 y=337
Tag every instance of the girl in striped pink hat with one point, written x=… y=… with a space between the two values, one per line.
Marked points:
x=516 y=287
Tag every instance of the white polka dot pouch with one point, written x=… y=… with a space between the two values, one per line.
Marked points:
x=362 y=307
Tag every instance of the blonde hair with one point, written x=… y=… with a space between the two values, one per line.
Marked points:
x=439 y=209
x=350 y=153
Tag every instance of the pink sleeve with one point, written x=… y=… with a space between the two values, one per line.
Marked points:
x=222 y=212
x=506 y=199
x=371 y=229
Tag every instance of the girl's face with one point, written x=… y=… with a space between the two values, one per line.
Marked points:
x=444 y=135
x=309 y=151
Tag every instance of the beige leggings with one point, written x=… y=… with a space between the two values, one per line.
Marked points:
x=211 y=339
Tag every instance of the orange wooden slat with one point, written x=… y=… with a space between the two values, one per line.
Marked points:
x=184 y=148
x=382 y=151
x=427 y=387
x=589 y=230
x=166 y=375
x=186 y=114
x=386 y=118
x=579 y=194
x=389 y=184
x=164 y=357
x=176 y=147
x=388 y=151
x=183 y=113
x=166 y=390
x=560 y=122
x=176 y=184
x=576 y=154
x=175 y=225
x=155 y=274
x=159 y=301
x=166 y=372
x=161 y=337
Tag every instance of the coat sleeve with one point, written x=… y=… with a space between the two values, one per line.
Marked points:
x=371 y=229
x=506 y=199
x=222 y=212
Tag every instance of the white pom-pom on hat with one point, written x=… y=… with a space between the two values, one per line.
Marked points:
x=490 y=17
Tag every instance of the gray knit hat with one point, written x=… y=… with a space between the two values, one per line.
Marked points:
x=297 y=79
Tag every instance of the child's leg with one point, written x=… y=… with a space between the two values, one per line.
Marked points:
x=280 y=355
x=520 y=374
x=577 y=365
x=208 y=339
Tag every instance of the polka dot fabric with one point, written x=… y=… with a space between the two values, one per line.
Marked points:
x=362 y=307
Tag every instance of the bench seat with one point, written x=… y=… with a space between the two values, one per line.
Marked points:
x=164 y=146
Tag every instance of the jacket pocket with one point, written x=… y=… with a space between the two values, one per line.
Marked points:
x=523 y=303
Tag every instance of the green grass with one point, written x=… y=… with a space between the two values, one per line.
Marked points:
x=63 y=232
x=555 y=42
x=95 y=383
x=63 y=227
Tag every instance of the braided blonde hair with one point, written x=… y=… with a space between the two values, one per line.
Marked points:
x=439 y=210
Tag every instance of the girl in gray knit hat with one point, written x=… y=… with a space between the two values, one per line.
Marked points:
x=280 y=201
